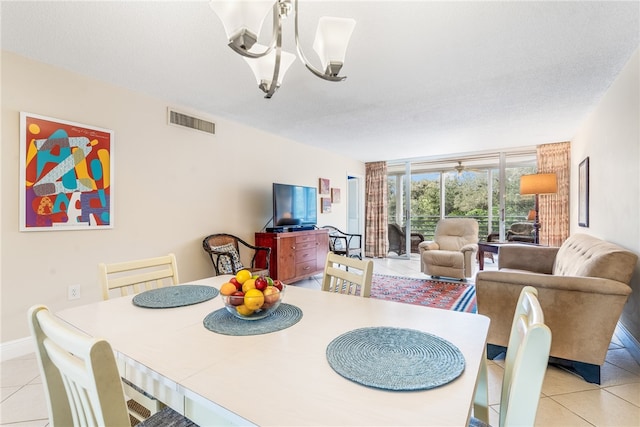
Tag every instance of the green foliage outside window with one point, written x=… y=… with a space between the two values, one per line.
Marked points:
x=466 y=195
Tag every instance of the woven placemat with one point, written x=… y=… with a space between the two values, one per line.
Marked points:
x=223 y=322
x=175 y=296
x=395 y=358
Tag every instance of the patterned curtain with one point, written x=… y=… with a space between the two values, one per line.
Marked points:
x=376 y=242
x=554 y=208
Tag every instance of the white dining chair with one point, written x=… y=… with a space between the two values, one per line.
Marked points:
x=133 y=277
x=347 y=275
x=525 y=364
x=81 y=379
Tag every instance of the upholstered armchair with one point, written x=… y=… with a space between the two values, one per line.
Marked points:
x=521 y=232
x=517 y=232
x=452 y=253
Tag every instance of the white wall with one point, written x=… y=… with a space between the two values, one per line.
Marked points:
x=172 y=186
x=610 y=137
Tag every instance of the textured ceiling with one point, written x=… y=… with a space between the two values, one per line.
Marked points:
x=425 y=79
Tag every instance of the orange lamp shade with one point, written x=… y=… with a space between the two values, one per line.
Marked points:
x=539 y=183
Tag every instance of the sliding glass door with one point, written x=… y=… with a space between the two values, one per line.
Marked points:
x=399 y=203
x=484 y=187
x=465 y=195
x=516 y=208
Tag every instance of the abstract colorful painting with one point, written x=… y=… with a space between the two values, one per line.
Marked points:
x=66 y=175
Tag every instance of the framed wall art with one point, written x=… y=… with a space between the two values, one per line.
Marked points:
x=583 y=193
x=324 y=186
x=66 y=175
x=335 y=195
x=325 y=205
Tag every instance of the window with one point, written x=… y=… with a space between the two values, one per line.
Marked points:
x=466 y=187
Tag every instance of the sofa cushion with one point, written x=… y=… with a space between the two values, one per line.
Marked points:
x=447 y=259
x=588 y=256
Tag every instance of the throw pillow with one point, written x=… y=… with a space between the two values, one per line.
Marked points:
x=228 y=264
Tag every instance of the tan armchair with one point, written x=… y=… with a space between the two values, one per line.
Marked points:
x=452 y=253
x=582 y=287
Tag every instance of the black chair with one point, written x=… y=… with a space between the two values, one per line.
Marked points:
x=224 y=251
x=347 y=244
x=397 y=240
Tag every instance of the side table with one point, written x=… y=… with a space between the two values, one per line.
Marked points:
x=491 y=247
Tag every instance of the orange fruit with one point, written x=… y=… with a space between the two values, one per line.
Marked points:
x=248 y=284
x=242 y=276
x=253 y=299
x=227 y=288
x=243 y=310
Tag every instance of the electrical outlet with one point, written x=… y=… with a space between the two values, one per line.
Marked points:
x=73 y=292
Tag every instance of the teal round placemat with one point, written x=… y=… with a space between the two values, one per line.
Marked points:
x=395 y=358
x=223 y=322
x=175 y=296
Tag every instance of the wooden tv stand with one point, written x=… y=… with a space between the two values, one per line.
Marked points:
x=295 y=255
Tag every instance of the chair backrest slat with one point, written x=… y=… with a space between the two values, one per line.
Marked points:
x=347 y=275
x=132 y=277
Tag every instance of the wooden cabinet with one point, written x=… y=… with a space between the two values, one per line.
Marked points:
x=295 y=255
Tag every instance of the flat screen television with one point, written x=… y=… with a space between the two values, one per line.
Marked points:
x=294 y=205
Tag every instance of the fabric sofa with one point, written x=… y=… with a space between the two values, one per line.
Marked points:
x=582 y=287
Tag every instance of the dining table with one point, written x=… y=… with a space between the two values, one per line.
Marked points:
x=302 y=373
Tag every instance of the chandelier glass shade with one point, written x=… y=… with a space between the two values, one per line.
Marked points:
x=263 y=68
x=243 y=20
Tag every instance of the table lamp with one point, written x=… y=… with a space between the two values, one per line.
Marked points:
x=536 y=184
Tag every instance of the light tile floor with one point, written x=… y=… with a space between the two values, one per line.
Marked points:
x=566 y=400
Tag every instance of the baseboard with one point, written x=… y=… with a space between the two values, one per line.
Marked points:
x=16 y=348
x=629 y=341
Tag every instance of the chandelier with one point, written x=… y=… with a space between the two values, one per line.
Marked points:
x=242 y=21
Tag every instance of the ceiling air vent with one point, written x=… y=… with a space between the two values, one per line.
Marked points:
x=185 y=120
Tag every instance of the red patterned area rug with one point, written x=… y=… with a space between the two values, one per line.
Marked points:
x=458 y=296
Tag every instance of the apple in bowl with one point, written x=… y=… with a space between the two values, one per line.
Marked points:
x=256 y=301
